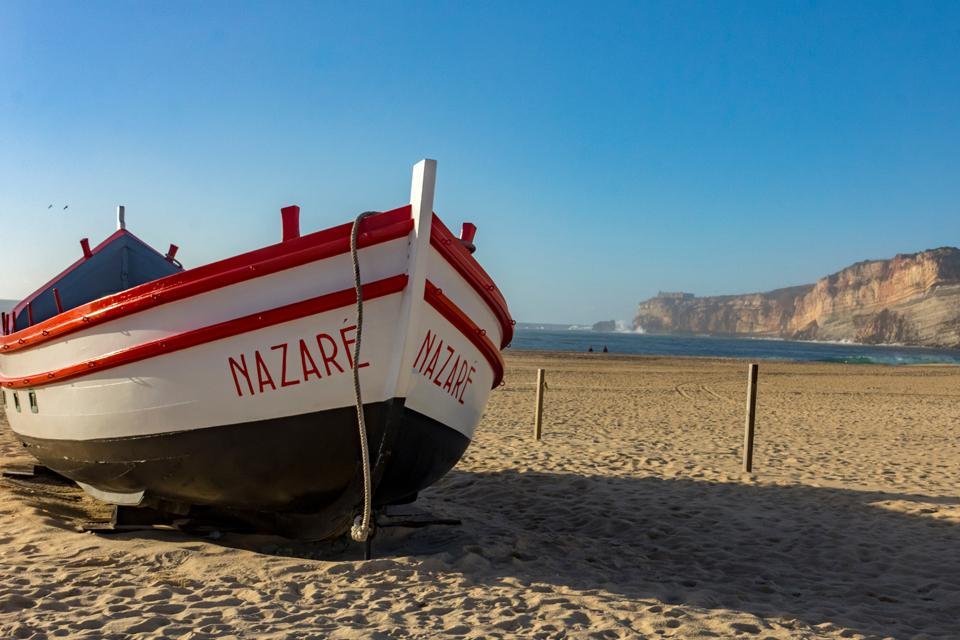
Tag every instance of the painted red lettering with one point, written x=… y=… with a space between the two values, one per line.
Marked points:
x=436 y=380
x=347 y=342
x=453 y=374
x=425 y=350
x=304 y=357
x=241 y=368
x=433 y=361
x=332 y=358
x=283 y=365
x=469 y=380
x=461 y=376
x=263 y=373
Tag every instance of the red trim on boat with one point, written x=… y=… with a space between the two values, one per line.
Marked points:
x=291 y=222
x=229 y=328
x=445 y=307
x=382 y=227
x=467 y=266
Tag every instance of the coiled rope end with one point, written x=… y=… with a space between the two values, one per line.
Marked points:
x=358 y=532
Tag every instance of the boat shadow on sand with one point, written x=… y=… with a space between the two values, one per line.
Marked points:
x=880 y=564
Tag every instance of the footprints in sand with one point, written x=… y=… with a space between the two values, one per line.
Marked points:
x=629 y=520
x=696 y=391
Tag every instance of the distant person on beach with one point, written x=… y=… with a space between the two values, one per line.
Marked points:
x=589 y=349
x=605 y=348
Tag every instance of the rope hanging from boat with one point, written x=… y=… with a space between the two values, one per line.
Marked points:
x=360 y=531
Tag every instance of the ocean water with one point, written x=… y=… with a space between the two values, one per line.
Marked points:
x=715 y=347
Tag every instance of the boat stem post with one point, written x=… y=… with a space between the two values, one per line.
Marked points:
x=752 y=373
x=538 y=416
x=121 y=217
x=422 y=186
x=4 y=322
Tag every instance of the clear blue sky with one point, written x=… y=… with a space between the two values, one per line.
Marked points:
x=605 y=150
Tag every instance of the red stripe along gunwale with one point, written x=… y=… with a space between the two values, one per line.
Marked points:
x=382 y=227
x=450 y=247
x=455 y=316
x=187 y=339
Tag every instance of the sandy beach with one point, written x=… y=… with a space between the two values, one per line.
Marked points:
x=630 y=519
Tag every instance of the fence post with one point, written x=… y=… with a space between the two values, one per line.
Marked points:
x=538 y=420
x=751 y=415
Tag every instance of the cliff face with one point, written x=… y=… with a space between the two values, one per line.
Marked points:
x=910 y=299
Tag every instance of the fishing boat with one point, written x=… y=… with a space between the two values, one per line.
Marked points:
x=237 y=384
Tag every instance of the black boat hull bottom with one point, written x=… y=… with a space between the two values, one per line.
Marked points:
x=299 y=466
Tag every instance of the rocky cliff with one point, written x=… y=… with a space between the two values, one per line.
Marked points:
x=910 y=299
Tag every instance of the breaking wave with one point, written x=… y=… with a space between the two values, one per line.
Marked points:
x=893 y=359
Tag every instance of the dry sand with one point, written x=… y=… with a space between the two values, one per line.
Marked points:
x=630 y=519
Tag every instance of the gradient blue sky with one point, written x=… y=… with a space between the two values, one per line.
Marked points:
x=605 y=150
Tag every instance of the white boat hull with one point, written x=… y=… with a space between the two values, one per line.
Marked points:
x=242 y=395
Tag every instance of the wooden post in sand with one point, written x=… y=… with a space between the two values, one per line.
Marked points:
x=538 y=419
x=751 y=415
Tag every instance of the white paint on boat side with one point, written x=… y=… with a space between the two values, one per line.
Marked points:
x=227 y=303
x=198 y=387
x=427 y=393
x=459 y=291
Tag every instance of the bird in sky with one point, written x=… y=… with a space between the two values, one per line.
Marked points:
x=65 y=207
x=49 y=206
